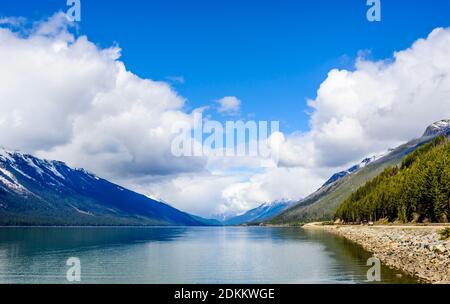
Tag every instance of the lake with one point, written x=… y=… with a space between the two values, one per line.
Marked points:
x=184 y=255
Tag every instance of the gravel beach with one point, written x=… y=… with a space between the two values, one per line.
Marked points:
x=416 y=250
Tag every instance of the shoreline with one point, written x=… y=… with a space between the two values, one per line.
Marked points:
x=415 y=250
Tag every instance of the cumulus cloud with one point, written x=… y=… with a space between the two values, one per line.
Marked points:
x=376 y=106
x=269 y=186
x=62 y=97
x=230 y=193
x=229 y=105
x=201 y=194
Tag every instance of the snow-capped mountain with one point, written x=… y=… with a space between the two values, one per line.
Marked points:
x=337 y=176
x=262 y=213
x=34 y=191
x=438 y=128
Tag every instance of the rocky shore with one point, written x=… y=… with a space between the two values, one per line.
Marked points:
x=416 y=250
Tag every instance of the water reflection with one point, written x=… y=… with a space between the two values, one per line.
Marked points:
x=184 y=255
x=36 y=240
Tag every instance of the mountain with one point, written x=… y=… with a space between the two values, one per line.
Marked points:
x=438 y=128
x=40 y=192
x=262 y=213
x=335 y=177
x=322 y=204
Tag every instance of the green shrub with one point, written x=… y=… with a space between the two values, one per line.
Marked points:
x=328 y=223
x=445 y=233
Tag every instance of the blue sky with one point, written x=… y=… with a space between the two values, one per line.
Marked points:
x=272 y=55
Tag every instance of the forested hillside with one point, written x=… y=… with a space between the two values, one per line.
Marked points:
x=416 y=191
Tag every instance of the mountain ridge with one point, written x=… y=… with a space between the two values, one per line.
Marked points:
x=335 y=177
x=259 y=214
x=34 y=191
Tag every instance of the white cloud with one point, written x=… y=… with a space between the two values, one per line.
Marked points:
x=272 y=185
x=229 y=105
x=64 y=98
x=200 y=194
x=378 y=105
x=230 y=193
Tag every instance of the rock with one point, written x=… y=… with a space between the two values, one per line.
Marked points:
x=441 y=248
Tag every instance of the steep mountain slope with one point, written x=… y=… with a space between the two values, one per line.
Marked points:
x=262 y=213
x=438 y=128
x=322 y=204
x=335 y=177
x=40 y=192
x=417 y=191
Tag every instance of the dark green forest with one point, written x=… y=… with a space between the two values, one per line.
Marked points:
x=416 y=191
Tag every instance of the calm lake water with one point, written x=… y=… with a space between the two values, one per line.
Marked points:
x=184 y=255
